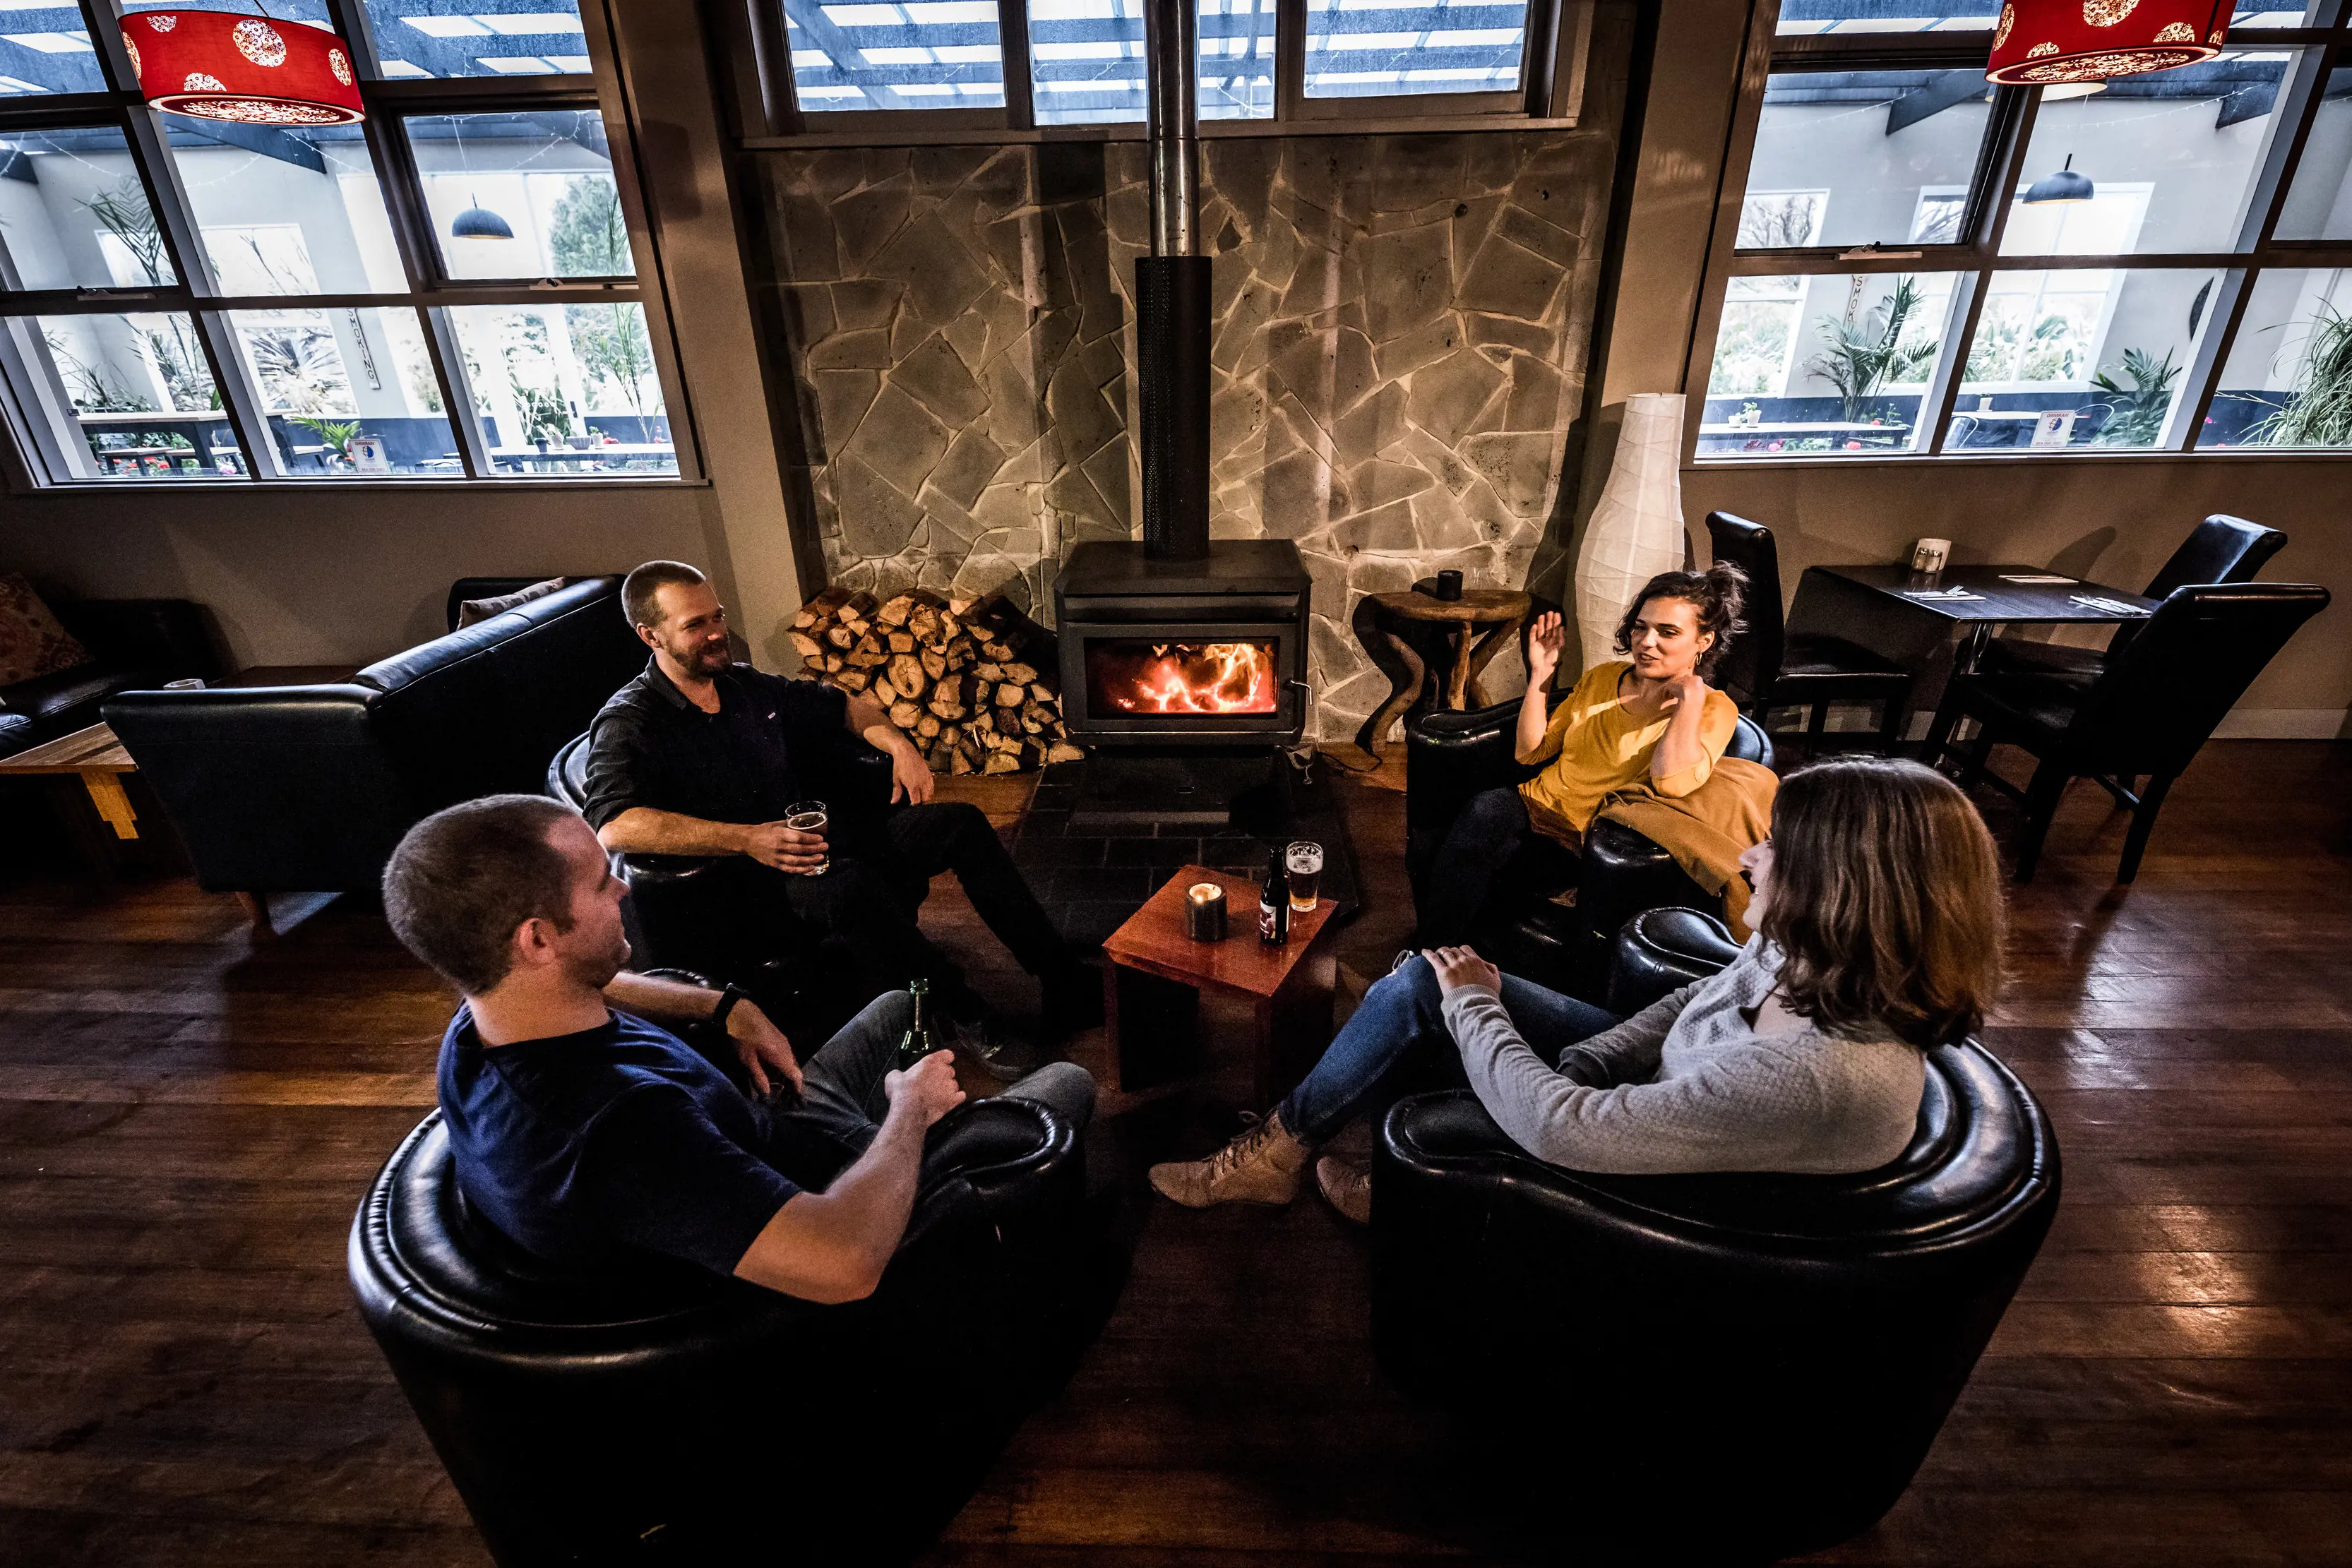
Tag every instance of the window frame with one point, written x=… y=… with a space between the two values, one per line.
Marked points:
x=770 y=115
x=33 y=461
x=2318 y=49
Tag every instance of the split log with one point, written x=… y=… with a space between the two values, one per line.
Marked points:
x=975 y=682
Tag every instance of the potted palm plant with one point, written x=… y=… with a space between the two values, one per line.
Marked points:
x=1864 y=356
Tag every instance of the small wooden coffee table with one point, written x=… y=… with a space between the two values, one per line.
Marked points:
x=1155 y=974
x=101 y=762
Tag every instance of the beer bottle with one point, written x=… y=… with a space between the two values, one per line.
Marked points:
x=1274 y=904
x=917 y=1042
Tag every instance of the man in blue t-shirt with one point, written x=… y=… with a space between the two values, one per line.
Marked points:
x=591 y=1136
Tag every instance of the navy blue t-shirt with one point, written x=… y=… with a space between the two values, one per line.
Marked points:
x=586 y=1148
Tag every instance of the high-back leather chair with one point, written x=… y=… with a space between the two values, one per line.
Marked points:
x=1766 y=668
x=2222 y=549
x=657 y=1414
x=2152 y=706
x=1717 y=1368
x=1450 y=756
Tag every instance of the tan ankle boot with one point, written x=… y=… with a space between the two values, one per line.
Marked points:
x=1265 y=1165
x=1346 y=1188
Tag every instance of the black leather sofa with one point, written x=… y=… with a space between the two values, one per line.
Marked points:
x=1450 y=756
x=666 y=1416
x=132 y=642
x=284 y=789
x=1707 y=1368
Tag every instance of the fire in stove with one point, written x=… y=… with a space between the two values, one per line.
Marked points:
x=1153 y=677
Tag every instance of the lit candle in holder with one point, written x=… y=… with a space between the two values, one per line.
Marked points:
x=1204 y=911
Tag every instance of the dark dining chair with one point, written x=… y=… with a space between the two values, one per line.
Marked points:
x=2222 y=549
x=1766 y=668
x=2148 y=710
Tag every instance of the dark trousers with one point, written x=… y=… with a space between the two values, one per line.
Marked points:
x=1490 y=853
x=863 y=905
x=814 y=1139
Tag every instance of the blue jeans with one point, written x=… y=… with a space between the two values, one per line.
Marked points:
x=1397 y=1043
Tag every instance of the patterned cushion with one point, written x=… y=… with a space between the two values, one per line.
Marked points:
x=474 y=611
x=31 y=642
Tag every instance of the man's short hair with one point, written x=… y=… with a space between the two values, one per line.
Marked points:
x=464 y=879
x=637 y=600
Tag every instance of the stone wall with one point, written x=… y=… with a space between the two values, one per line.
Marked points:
x=1402 y=333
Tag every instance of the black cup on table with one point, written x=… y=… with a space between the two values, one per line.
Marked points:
x=1449 y=586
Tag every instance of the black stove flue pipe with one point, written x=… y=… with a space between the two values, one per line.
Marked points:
x=1171 y=299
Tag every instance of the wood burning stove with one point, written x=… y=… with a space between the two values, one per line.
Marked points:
x=1185 y=654
x=1183 y=659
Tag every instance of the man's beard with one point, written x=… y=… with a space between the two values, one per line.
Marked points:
x=596 y=970
x=710 y=659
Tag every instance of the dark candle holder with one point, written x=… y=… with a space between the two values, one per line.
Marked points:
x=1449 y=586
x=1204 y=911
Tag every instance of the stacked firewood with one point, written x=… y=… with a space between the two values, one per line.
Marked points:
x=974 y=682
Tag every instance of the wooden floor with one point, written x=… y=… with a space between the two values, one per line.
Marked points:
x=186 y=1122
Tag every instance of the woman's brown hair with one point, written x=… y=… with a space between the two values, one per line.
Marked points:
x=1886 y=902
x=1718 y=594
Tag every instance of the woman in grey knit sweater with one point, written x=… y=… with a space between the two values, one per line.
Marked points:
x=1878 y=916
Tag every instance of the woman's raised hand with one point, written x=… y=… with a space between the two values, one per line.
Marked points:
x=1544 y=639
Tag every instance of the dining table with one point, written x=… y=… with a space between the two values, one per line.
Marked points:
x=1913 y=617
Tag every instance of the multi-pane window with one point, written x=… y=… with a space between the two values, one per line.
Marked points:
x=1081 y=62
x=449 y=290
x=1917 y=263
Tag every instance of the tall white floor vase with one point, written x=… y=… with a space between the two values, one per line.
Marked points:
x=1636 y=531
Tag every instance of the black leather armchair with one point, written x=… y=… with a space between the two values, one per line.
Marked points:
x=1728 y=1368
x=286 y=789
x=132 y=642
x=1451 y=756
x=674 y=919
x=661 y=1416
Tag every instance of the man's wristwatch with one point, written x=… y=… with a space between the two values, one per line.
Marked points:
x=727 y=1000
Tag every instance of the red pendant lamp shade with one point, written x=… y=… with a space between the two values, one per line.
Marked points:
x=2042 y=41
x=217 y=64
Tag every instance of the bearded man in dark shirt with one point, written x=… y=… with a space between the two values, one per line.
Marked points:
x=701 y=755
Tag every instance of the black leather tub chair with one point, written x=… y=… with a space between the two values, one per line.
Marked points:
x=307 y=788
x=809 y=993
x=1732 y=1368
x=660 y=1416
x=1451 y=756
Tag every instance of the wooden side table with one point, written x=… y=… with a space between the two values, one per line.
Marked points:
x=1407 y=634
x=99 y=760
x=1154 y=974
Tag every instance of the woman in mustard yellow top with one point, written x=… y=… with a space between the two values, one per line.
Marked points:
x=1650 y=716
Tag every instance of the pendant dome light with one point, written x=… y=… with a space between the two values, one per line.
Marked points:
x=481 y=222
x=2065 y=185
x=477 y=222
x=253 y=70
x=2038 y=42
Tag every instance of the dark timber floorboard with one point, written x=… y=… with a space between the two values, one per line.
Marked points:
x=187 y=1121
